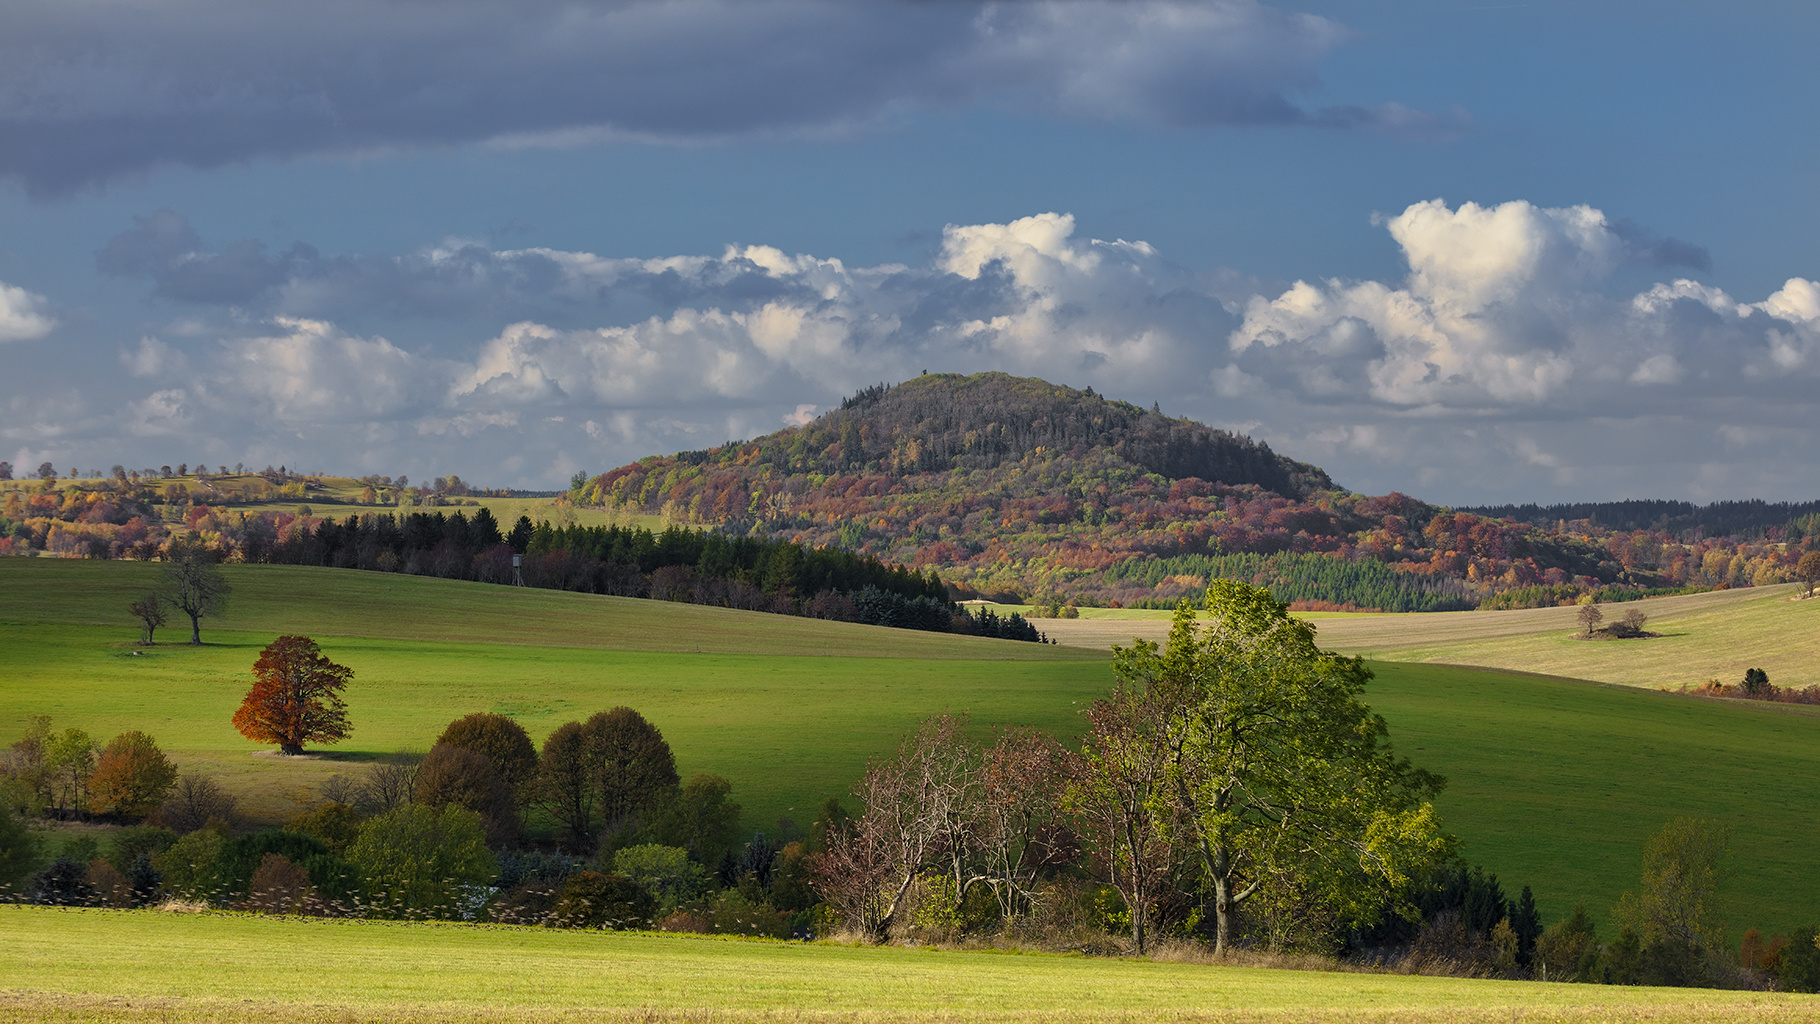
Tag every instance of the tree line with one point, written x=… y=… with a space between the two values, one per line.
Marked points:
x=675 y=564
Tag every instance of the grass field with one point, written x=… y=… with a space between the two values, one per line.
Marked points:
x=1553 y=782
x=1705 y=636
x=790 y=721
x=94 y=965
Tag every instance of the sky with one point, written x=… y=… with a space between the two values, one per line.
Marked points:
x=1478 y=252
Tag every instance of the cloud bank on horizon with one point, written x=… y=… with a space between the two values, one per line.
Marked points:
x=95 y=91
x=1508 y=361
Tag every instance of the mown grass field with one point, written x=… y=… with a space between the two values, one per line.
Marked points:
x=1704 y=636
x=1554 y=783
x=95 y=965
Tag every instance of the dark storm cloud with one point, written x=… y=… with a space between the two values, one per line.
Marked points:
x=96 y=90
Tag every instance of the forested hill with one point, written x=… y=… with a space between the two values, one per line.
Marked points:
x=1006 y=485
x=1678 y=518
x=941 y=422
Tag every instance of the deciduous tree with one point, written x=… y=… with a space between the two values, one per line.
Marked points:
x=133 y=776
x=1590 y=617
x=194 y=583
x=69 y=761
x=1807 y=570
x=149 y=610
x=1678 y=900
x=296 y=697
x=460 y=776
x=1121 y=796
x=1024 y=777
x=195 y=801
x=917 y=810
x=1277 y=769
x=500 y=740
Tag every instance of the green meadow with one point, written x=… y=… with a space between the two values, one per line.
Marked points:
x=131 y=966
x=1553 y=782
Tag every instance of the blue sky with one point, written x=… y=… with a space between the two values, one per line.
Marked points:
x=1471 y=251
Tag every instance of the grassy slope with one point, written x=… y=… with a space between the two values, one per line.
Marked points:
x=781 y=719
x=221 y=968
x=1705 y=636
x=1556 y=783
x=1553 y=782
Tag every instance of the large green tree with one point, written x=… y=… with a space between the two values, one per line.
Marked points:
x=1279 y=775
x=608 y=771
x=1678 y=901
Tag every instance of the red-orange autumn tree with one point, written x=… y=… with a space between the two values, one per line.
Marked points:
x=296 y=697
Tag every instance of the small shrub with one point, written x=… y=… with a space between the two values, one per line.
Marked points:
x=666 y=872
x=195 y=801
x=590 y=899
x=63 y=884
x=529 y=902
x=189 y=864
x=737 y=913
x=129 y=844
x=241 y=857
x=19 y=849
x=333 y=824
x=111 y=889
x=146 y=880
x=278 y=887
x=692 y=921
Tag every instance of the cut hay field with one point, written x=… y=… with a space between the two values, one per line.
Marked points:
x=1553 y=782
x=1705 y=636
x=141 y=966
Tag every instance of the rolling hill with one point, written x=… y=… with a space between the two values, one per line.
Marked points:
x=1553 y=782
x=1015 y=486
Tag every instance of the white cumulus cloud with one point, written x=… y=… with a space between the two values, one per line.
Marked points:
x=1505 y=307
x=1506 y=363
x=23 y=315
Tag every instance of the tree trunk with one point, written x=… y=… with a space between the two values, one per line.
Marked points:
x=196 y=629
x=1138 y=935
x=290 y=749
x=1222 y=910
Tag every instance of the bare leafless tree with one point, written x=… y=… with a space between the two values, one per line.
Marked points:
x=918 y=812
x=1121 y=779
x=149 y=610
x=1019 y=830
x=1590 y=617
x=196 y=800
x=389 y=783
